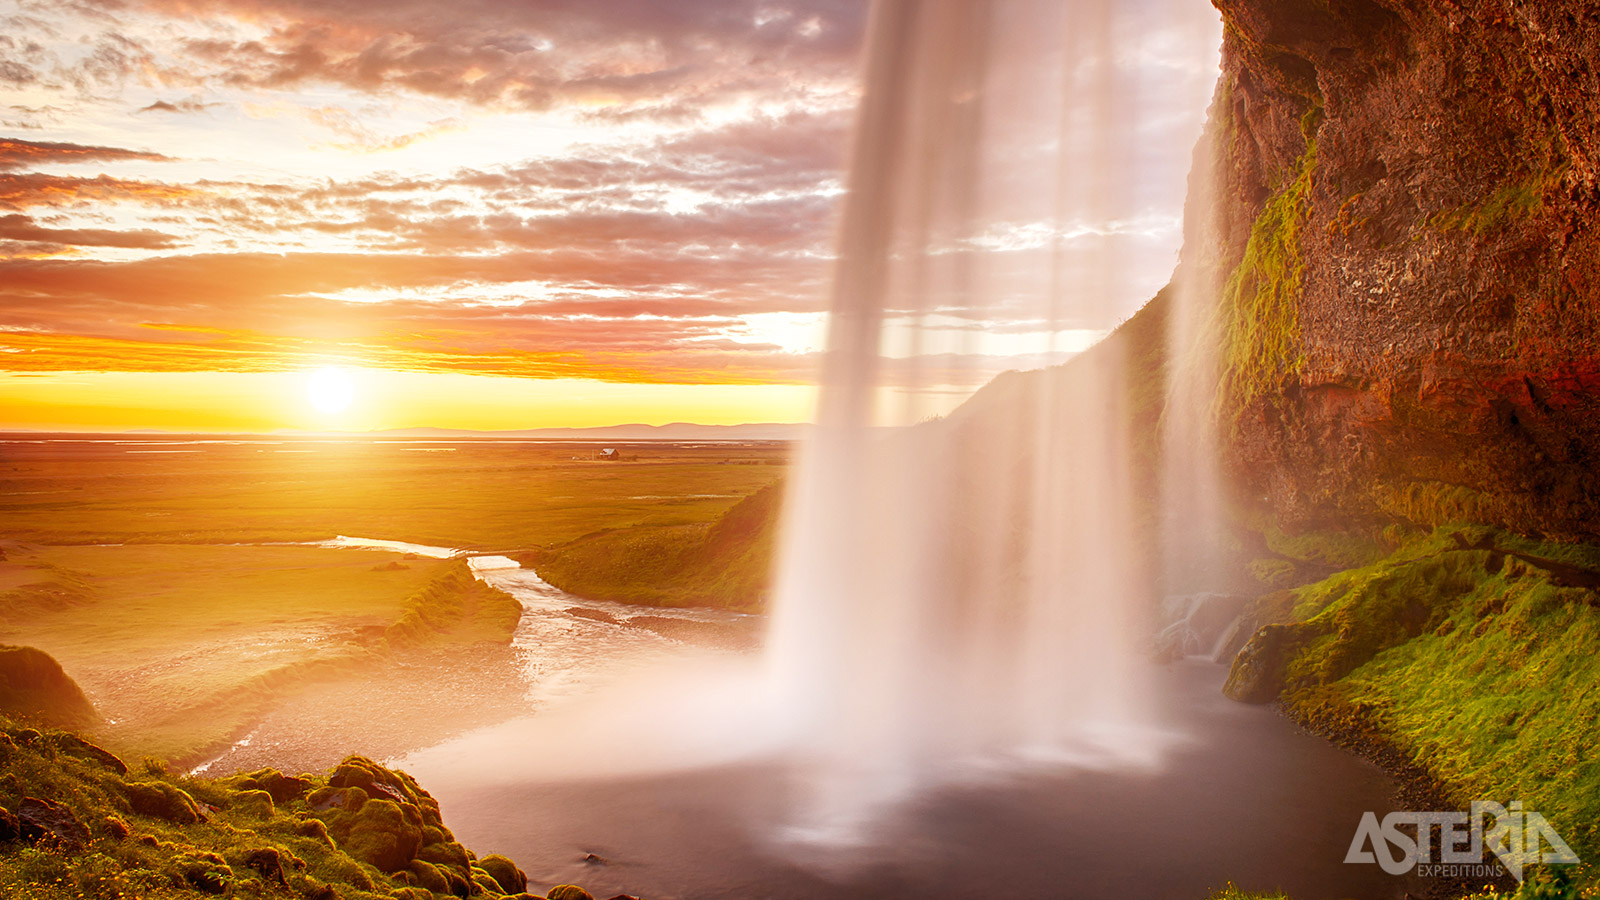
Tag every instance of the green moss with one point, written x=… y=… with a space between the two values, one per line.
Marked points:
x=1260 y=306
x=511 y=879
x=1335 y=548
x=1235 y=893
x=269 y=840
x=1472 y=651
x=1509 y=202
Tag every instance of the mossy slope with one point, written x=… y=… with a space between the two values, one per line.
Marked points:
x=725 y=564
x=91 y=828
x=1471 y=651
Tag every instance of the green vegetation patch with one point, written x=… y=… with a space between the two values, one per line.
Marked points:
x=725 y=564
x=1260 y=306
x=1471 y=650
x=455 y=608
x=84 y=826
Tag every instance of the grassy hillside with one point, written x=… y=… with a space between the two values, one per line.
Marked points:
x=1469 y=651
x=726 y=563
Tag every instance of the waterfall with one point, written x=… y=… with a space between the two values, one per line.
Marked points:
x=973 y=590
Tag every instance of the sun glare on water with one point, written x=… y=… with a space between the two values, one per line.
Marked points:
x=330 y=389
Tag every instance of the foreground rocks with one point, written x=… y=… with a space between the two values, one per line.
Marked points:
x=363 y=832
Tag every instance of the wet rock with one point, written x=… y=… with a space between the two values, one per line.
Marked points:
x=583 y=612
x=1193 y=623
x=1257 y=672
x=160 y=800
x=511 y=879
x=594 y=859
x=568 y=892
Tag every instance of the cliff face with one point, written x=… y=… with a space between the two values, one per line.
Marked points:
x=1406 y=249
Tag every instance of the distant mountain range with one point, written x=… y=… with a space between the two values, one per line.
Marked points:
x=677 y=431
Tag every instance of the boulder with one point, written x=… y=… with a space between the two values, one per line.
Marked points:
x=382 y=833
x=206 y=872
x=253 y=803
x=511 y=879
x=160 y=800
x=283 y=788
x=47 y=820
x=268 y=862
x=485 y=883
x=568 y=892
x=1257 y=672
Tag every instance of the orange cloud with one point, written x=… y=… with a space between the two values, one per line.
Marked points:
x=31 y=189
x=16 y=153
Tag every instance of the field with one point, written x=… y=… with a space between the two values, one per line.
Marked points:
x=139 y=565
x=478 y=495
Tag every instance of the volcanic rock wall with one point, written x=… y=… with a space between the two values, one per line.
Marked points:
x=1404 y=242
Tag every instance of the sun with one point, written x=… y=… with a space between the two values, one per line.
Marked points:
x=330 y=389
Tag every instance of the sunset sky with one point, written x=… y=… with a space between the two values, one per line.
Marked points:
x=485 y=215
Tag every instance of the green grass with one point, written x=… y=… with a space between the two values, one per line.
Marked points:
x=726 y=563
x=1472 y=651
x=491 y=497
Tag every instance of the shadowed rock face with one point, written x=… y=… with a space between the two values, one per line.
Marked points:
x=1440 y=358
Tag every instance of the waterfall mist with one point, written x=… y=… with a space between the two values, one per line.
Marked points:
x=963 y=592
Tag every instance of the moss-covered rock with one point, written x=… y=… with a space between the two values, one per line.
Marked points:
x=160 y=800
x=322 y=841
x=568 y=892
x=511 y=879
x=382 y=832
x=206 y=872
x=1257 y=673
x=253 y=803
x=282 y=788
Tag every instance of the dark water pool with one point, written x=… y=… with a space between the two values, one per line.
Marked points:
x=1246 y=798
